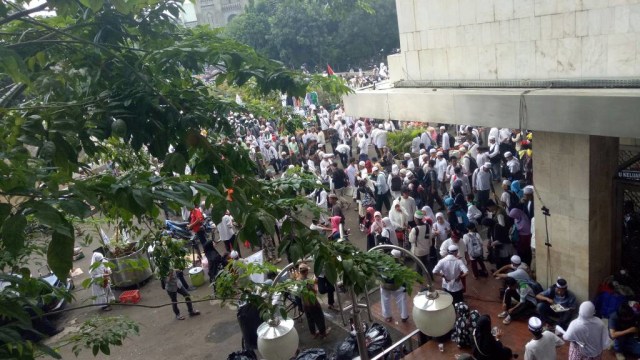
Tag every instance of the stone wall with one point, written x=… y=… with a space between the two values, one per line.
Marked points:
x=519 y=39
x=574 y=178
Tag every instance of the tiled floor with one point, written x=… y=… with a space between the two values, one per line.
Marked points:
x=482 y=295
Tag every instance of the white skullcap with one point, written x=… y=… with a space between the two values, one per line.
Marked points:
x=361 y=163
x=291 y=166
x=492 y=137
x=234 y=254
x=423 y=151
x=528 y=189
x=535 y=324
x=452 y=248
x=506 y=182
x=380 y=126
x=487 y=165
x=432 y=151
x=442 y=128
x=407 y=155
x=515 y=260
x=508 y=154
x=396 y=253
x=375 y=168
x=440 y=153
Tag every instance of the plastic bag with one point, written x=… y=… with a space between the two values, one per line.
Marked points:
x=347 y=350
x=378 y=339
x=312 y=354
x=242 y=355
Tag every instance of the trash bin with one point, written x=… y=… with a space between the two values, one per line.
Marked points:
x=197 y=276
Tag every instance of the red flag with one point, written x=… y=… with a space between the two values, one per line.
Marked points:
x=329 y=70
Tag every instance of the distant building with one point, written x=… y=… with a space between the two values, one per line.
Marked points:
x=215 y=13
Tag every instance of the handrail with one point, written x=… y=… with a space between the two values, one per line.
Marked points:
x=396 y=345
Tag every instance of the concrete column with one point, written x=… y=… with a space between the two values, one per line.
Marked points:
x=573 y=174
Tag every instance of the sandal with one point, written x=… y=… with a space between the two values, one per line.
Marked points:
x=179 y=317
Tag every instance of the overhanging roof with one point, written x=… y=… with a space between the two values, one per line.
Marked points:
x=604 y=112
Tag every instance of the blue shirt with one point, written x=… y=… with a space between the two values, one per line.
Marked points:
x=567 y=301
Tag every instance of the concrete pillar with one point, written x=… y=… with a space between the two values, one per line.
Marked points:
x=573 y=174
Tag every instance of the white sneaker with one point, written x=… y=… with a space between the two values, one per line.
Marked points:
x=507 y=320
x=503 y=314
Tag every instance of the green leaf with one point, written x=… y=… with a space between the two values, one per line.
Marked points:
x=49 y=216
x=13 y=65
x=94 y=5
x=174 y=162
x=60 y=254
x=13 y=233
x=5 y=211
x=75 y=207
x=143 y=198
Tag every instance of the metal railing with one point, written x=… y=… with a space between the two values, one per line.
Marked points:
x=397 y=344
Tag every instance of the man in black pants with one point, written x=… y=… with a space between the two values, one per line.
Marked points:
x=516 y=302
x=173 y=288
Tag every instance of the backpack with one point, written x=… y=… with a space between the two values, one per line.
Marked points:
x=396 y=183
x=514 y=201
x=476 y=249
x=473 y=164
x=452 y=141
x=534 y=285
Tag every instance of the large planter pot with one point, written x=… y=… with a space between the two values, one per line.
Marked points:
x=277 y=340
x=131 y=269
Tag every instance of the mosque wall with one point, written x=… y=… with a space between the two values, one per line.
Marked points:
x=518 y=39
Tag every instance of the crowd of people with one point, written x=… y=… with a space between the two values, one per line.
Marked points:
x=457 y=198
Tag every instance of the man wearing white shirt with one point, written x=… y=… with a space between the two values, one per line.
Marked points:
x=227 y=232
x=482 y=184
x=513 y=165
x=452 y=270
x=381 y=140
x=445 y=139
x=495 y=157
x=415 y=144
x=375 y=132
x=343 y=151
x=544 y=343
x=425 y=139
x=441 y=169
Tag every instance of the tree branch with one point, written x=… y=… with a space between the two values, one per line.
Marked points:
x=22 y=13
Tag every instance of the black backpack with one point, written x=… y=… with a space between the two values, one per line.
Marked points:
x=452 y=141
x=473 y=164
x=396 y=183
x=514 y=201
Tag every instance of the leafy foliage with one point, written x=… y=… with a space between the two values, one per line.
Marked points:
x=113 y=82
x=344 y=33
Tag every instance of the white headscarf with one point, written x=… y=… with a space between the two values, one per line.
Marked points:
x=96 y=257
x=588 y=331
x=428 y=212
x=395 y=170
x=392 y=232
x=99 y=270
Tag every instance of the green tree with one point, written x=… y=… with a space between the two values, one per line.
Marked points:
x=343 y=34
x=113 y=80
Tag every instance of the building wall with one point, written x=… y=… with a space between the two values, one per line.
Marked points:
x=216 y=13
x=519 y=39
x=574 y=177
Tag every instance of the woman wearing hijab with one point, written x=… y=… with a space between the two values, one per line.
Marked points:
x=466 y=321
x=335 y=227
x=428 y=212
x=388 y=232
x=588 y=335
x=367 y=222
x=485 y=345
x=100 y=288
x=515 y=187
x=395 y=171
x=523 y=226
x=441 y=230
